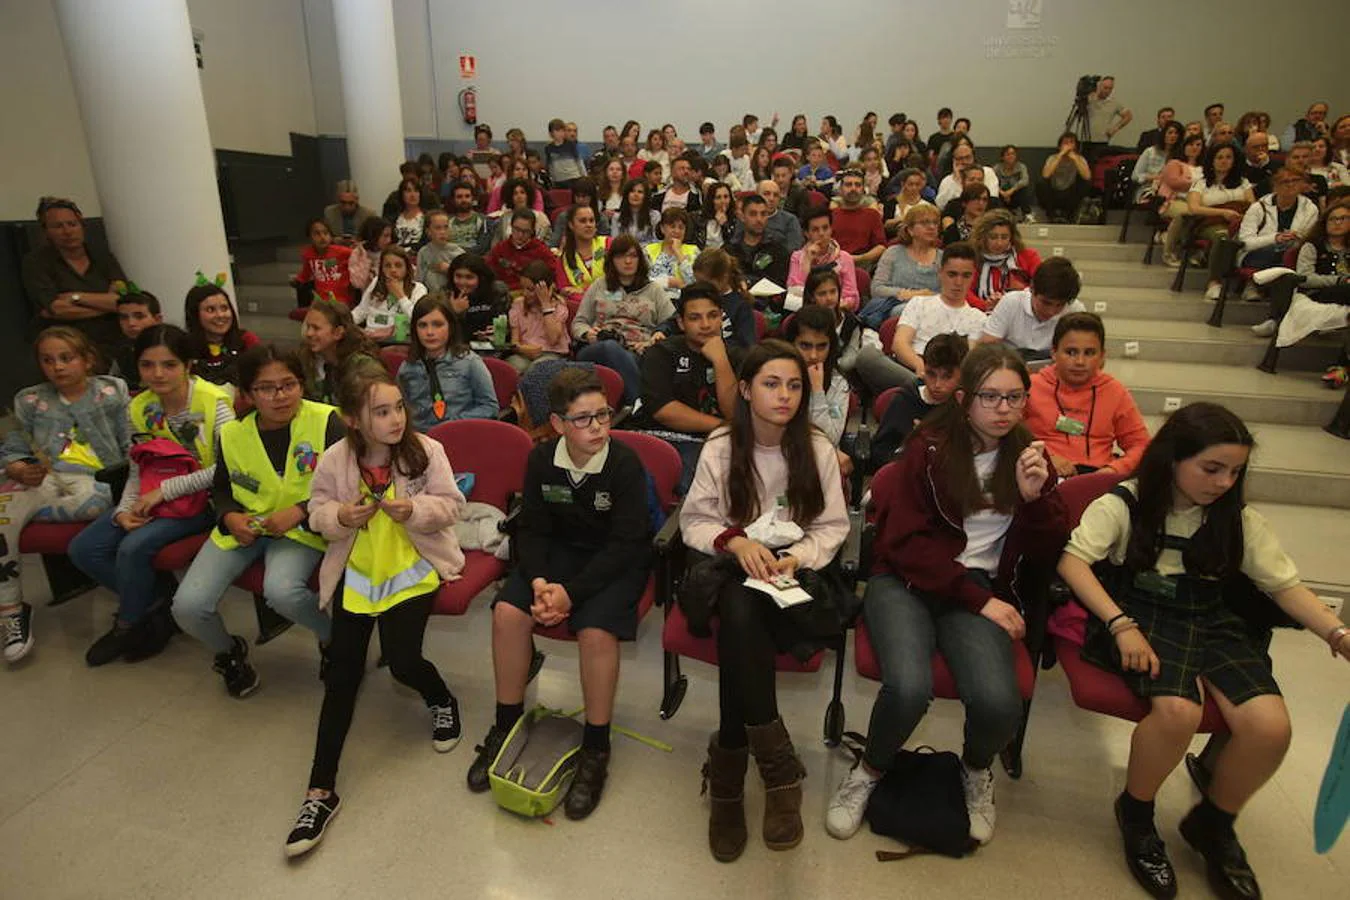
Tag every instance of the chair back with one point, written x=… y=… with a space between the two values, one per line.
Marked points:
x=659 y=458
x=393 y=357
x=883 y=402
x=504 y=380
x=494 y=452
x=864 y=287
x=887 y=334
x=1079 y=492
x=613 y=383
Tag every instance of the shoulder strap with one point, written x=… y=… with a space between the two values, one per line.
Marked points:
x=434 y=384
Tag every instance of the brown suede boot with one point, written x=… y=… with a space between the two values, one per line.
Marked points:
x=782 y=772
x=725 y=773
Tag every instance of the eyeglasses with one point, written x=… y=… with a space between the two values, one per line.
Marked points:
x=1337 y=220
x=992 y=399
x=584 y=420
x=270 y=391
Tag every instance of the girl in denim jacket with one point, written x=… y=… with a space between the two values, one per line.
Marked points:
x=443 y=379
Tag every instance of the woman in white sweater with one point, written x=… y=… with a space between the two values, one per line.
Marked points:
x=766 y=501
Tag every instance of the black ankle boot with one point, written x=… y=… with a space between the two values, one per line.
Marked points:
x=1230 y=876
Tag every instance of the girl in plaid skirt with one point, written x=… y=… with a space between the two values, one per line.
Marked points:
x=1180 y=551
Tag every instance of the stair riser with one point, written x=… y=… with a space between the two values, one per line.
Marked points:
x=271 y=300
x=1180 y=308
x=1301 y=357
x=1155 y=276
x=267 y=273
x=1275 y=410
x=1298 y=488
x=1040 y=232
x=1081 y=253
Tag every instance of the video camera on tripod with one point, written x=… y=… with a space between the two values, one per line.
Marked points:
x=1077 y=120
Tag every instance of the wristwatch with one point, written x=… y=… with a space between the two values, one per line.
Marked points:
x=77 y=299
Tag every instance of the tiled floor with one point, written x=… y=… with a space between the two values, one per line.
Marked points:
x=147 y=781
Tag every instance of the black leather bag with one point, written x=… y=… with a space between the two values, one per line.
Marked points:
x=921 y=802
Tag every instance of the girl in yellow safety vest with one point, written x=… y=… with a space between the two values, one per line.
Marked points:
x=265 y=463
x=118 y=548
x=385 y=499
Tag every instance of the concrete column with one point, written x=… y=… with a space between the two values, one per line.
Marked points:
x=140 y=98
x=371 y=100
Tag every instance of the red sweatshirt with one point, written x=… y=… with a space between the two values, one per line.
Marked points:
x=508 y=261
x=857 y=230
x=328 y=273
x=919 y=530
x=1103 y=406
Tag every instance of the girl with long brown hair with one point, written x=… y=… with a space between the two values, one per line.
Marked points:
x=767 y=501
x=971 y=495
x=330 y=339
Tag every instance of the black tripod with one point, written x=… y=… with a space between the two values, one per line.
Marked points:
x=1077 y=121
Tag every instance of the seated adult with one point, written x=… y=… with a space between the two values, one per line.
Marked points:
x=394 y=202
x=1300 y=156
x=912 y=403
x=1150 y=137
x=1223 y=133
x=72 y=283
x=635 y=216
x=1219 y=198
x=619 y=314
x=1005 y=263
x=670 y=261
x=583 y=195
x=523 y=195
x=858 y=226
x=719 y=222
x=1313 y=123
x=1026 y=319
x=904 y=190
x=1276 y=223
x=1323 y=162
x=908 y=268
x=1014 y=182
x=960 y=133
x=923 y=319
x=1148 y=168
x=1080 y=412
x=469 y=228
x=1066 y=179
x=582 y=252
x=1257 y=165
x=509 y=257
x=822 y=251
x=344 y=217
x=962 y=157
x=974 y=202
x=1213 y=119
x=583 y=542
x=758 y=255
x=1182 y=170
x=781 y=225
x=680 y=194
x=970 y=177
x=688 y=381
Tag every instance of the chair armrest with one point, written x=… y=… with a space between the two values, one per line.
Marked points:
x=620 y=416
x=668 y=538
x=850 y=554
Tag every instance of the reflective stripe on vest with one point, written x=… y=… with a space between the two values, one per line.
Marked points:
x=384 y=567
x=361 y=595
x=147 y=417
x=256 y=486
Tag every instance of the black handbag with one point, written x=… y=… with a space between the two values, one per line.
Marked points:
x=921 y=802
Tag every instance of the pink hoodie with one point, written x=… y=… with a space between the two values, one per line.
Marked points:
x=843 y=263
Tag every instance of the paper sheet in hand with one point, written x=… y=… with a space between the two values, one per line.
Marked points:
x=784 y=597
x=765 y=288
x=1333 y=800
x=481 y=346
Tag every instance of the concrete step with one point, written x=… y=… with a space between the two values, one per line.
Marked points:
x=290 y=254
x=1196 y=342
x=1088 y=251
x=1294 y=464
x=266 y=299
x=275 y=328
x=1321 y=560
x=267 y=273
x=1159 y=303
x=1045 y=231
x=1102 y=273
x=1289 y=398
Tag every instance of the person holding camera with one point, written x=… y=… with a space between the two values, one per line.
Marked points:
x=1106 y=117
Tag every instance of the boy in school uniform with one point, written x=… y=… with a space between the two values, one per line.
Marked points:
x=1079 y=411
x=942 y=358
x=1027 y=319
x=136 y=311
x=584 y=543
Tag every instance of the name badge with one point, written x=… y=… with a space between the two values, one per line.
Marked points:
x=1069 y=425
x=245 y=481
x=557 y=493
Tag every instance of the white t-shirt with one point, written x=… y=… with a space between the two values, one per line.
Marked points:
x=1219 y=195
x=929 y=317
x=1013 y=321
x=671 y=198
x=950 y=187
x=986 y=528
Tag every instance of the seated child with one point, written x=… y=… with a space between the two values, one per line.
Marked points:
x=136 y=311
x=324 y=266
x=538 y=319
x=213 y=325
x=442 y=379
x=912 y=402
x=1026 y=319
x=390 y=296
x=1079 y=411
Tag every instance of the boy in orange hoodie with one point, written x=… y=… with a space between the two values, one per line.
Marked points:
x=1079 y=411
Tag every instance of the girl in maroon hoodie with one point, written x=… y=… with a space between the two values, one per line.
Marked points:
x=972 y=495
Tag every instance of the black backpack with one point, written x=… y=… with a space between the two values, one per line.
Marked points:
x=921 y=802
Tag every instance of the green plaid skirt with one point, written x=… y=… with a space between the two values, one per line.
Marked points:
x=1195 y=635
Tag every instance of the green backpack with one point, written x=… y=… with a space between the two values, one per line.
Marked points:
x=534 y=768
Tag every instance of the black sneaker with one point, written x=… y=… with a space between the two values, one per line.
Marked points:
x=109 y=647
x=315 y=814
x=240 y=679
x=487 y=754
x=1230 y=876
x=445 y=725
x=1146 y=855
x=150 y=635
x=588 y=783
x=323 y=662
x=16 y=630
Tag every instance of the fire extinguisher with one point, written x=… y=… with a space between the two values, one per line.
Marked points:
x=468 y=105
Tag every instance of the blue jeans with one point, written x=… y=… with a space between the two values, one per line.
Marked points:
x=621 y=360
x=288 y=565
x=905 y=629
x=689 y=453
x=122 y=561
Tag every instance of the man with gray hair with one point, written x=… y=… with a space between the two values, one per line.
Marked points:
x=344 y=217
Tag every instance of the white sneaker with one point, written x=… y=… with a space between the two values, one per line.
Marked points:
x=1251 y=292
x=1030 y=219
x=979 y=802
x=1171 y=260
x=1265 y=329
x=1212 y=292
x=845 y=815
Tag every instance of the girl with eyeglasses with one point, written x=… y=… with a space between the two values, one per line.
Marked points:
x=261 y=489
x=969 y=497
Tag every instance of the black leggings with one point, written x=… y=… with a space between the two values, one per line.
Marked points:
x=746 y=677
x=401 y=630
x=1064 y=202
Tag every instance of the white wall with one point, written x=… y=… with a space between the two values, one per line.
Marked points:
x=684 y=61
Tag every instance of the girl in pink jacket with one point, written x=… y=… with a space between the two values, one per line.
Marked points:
x=385 y=499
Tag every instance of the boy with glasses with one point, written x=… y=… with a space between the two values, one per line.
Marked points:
x=583 y=542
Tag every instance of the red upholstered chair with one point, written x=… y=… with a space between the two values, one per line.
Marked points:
x=883 y=402
x=555 y=200
x=816 y=199
x=613 y=384
x=393 y=356
x=1093 y=688
x=864 y=286
x=495 y=453
x=50 y=539
x=887 y=335
x=662 y=462
x=761 y=325
x=504 y=380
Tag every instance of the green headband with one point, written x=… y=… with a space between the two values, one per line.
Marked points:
x=202 y=280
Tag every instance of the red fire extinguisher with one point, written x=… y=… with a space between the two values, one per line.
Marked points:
x=468 y=105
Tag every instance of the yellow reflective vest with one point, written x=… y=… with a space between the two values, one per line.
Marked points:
x=147 y=417
x=384 y=567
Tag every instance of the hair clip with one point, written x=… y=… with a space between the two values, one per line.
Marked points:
x=203 y=281
x=123 y=288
